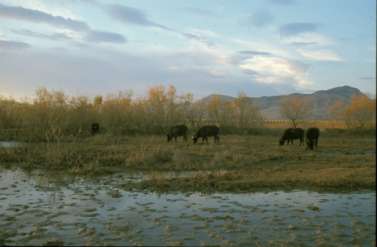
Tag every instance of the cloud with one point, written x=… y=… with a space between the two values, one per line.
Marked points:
x=261 y=18
x=130 y=15
x=100 y=36
x=302 y=35
x=240 y=56
x=275 y=70
x=106 y=71
x=197 y=37
x=134 y=16
x=255 y=53
x=283 y=2
x=297 y=28
x=52 y=36
x=55 y=8
x=319 y=55
x=12 y=45
x=23 y=14
x=308 y=39
x=20 y=13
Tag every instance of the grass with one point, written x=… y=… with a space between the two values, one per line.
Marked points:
x=238 y=163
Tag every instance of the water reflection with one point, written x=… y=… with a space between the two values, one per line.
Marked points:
x=37 y=209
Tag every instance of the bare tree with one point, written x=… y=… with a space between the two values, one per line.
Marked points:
x=295 y=108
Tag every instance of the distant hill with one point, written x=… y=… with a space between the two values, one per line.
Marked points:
x=321 y=100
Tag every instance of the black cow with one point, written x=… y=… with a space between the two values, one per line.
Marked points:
x=291 y=134
x=207 y=131
x=95 y=128
x=312 y=135
x=178 y=130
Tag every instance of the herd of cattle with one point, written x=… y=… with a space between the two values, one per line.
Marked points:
x=289 y=135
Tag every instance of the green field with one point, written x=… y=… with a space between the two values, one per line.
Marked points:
x=239 y=163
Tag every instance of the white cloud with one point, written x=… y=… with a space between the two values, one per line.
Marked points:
x=275 y=70
x=310 y=38
x=199 y=57
x=320 y=55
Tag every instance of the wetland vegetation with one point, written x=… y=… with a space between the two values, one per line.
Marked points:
x=237 y=163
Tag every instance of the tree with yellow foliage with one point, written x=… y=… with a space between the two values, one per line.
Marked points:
x=361 y=112
x=246 y=114
x=213 y=109
x=295 y=108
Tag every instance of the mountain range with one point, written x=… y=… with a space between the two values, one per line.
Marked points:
x=321 y=101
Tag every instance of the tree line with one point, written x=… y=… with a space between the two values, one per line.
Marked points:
x=53 y=113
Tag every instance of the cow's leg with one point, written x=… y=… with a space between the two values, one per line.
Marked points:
x=217 y=139
x=185 y=138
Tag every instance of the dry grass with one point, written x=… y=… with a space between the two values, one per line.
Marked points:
x=322 y=124
x=237 y=163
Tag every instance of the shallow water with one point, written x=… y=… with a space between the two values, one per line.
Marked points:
x=37 y=209
x=9 y=144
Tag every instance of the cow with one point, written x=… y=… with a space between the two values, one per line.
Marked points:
x=95 y=128
x=291 y=134
x=205 y=132
x=312 y=135
x=175 y=131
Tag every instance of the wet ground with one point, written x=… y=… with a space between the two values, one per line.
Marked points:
x=38 y=209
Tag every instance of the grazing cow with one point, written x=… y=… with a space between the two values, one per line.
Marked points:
x=312 y=135
x=291 y=134
x=175 y=131
x=95 y=128
x=207 y=131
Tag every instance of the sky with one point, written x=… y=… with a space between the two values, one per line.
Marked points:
x=260 y=47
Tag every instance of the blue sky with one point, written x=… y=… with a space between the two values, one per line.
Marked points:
x=261 y=47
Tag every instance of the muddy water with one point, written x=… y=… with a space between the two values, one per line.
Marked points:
x=37 y=209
